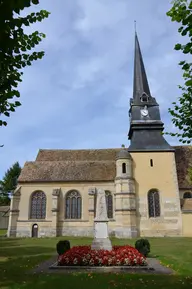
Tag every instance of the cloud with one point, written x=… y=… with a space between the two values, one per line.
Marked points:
x=101 y=14
x=78 y=95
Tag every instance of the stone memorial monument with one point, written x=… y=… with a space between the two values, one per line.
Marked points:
x=101 y=236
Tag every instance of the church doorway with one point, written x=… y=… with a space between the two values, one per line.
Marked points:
x=35 y=231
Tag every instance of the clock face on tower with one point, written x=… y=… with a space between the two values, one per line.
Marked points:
x=144 y=111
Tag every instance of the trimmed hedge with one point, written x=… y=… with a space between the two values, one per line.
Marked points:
x=143 y=246
x=63 y=246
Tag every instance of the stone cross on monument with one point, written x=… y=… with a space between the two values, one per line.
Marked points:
x=101 y=235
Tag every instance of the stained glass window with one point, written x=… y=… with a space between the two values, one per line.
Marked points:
x=109 y=203
x=38 y=205
x=73 y=205
x=187 y=195
x=95 y=204
x=153 y=204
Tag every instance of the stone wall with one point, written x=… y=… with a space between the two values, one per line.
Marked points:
x=187 y=221
x=130 y=204
x=24 y=229
x=161 y=177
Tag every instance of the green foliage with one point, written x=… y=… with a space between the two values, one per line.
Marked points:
x=143 y=246
x=14 y=47
x=189 y=173
x=4 y=199
x=9 y=183
x=181 y=113
x=63 y=246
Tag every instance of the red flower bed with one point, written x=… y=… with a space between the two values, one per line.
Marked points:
x=119 y=256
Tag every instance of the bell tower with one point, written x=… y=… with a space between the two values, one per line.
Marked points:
x=145 y=132
x=157 y=198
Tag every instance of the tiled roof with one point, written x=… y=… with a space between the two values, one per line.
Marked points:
x=90 y=165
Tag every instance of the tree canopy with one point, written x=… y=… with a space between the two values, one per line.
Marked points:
x=181 y=112
x=9 y=183
x=15 y=45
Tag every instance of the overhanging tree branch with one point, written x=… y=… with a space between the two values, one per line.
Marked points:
x=15 y=45
x=181 y=112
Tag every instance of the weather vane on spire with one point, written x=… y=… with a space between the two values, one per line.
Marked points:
x=135 y=24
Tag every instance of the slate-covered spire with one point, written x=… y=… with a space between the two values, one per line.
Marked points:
x=145 y=131
x=140 y=85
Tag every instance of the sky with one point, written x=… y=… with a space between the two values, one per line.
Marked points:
x=77 y=96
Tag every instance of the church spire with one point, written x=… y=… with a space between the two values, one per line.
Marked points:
x=145 y=131
x=140 y=85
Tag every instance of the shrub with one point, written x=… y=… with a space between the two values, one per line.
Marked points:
x=63 y=246
x=118 y=256
x=143 y=246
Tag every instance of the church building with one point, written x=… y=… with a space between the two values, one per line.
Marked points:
x=146 y=185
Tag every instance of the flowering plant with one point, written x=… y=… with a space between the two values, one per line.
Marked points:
x=118 y=256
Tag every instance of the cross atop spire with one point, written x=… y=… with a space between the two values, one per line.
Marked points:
x=140 y=86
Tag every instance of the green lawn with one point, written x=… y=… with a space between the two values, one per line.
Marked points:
x=17 y=256
x=3 y=232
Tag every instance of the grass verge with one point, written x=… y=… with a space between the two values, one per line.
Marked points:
x=18 y=256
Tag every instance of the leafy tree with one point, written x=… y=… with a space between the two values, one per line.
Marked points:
x=9 y=183
x=181 y=113
x=189 y=174
x=15 y=45
x=4 y=198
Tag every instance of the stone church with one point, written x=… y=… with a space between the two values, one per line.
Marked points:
x=146 y=185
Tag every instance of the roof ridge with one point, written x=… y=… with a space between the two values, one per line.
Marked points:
x=74 y=161
x=99 y=149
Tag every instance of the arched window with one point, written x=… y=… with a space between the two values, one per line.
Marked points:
x=38 y=205
x=124 y=168
x=95 y=204
x=187 y=195
x=144 y=97
x=153 y=204
x=109 y=204
x=73 y=205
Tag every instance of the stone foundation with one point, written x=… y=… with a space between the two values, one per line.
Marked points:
x=124 y=232
x=160 y=233
x=77 y=231
x=88 y=232
x=12 y=232
x=24 y=231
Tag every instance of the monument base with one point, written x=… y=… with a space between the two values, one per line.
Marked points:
x=101 y=244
